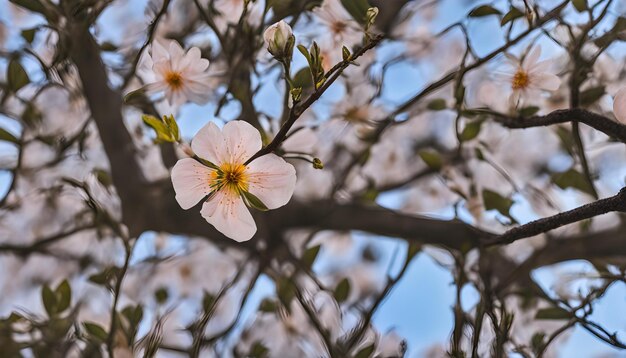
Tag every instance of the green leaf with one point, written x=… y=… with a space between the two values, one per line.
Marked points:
x=471 y=130
x=553 y=313
x=285 y=291
x=513 y=14
x=208 y=301
x=414 y=249
x=268 y=306
x=32 y=5
x=432 y=159
x=161 y=295
x=484 y=10
x=528 y=111
x=459 y=94
x=253 y=202
x=29 y=34
x=438 y=104
x=258 y=350
x=591 y=95
x=49 y=300
x=342 y=291
x=495 y=201
x=572 y=179
x=537 y=342
x=163 y=133
x=580 y=5
x=309 y=256
x=16 y=76
x=63 y=294
x=357 y=9
x=366 y=352
x=95 y=331
x=171 y=124
x=8 y=137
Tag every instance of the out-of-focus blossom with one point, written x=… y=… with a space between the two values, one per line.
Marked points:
x=182 y=76
x=528 y=76
x=230 y=182
x=619 y=105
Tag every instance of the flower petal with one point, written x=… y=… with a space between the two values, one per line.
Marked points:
x=272 y=180
x=242 y=140
x=546 y=81
x=230 y=216
x=158 y=52
x=192 y=182
x=619 y=105
x=532 y=57
x=209 y=144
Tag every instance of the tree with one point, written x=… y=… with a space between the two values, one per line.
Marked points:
x=136 y=148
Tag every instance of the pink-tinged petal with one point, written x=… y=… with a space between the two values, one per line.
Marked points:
x=158 y=52
x=209 y=144
x=272 y=180
x=176 y=52
x=242 y=140
x=541 y=66
x=619 y=105
x=230 y=216
x=156 y=87
x=195 y=96
x=192 y=182
x=546 y=81
x=532 y=57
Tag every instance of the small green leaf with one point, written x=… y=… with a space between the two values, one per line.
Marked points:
x=16 y=75
x=208 y=301
x=342 y=291
x=95 y=331
x=258 y=350
x=471 y=130
x=495 y=201
x=591 y=95
x=309 y=256
x=414 y=249
x=49 y=300
x=163 y=133
x=8 y=137
x=63 y=294
x=32 y=5
x=268 y=306
x=438 y=104
x=484 y=10
x=572 y=179
x=580 y=5
x=285 y=291
x=357 y=9
x=528 y=111
x=432 y=159
x=366 y=352
x=553 y=313
x=29 y=34
x=161 y=295
x=253 y=202
x=513 y=14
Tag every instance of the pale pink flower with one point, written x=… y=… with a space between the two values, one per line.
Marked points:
x=619 y=105
x=182 y=76
x=342 y=28
x=228 y=181
x=529 y=76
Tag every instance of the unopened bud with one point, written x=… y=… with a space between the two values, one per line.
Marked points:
x=317 y=163
x=279 y=40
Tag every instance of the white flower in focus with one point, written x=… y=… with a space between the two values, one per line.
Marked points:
x=181 y=75
x=529 y=76
x=619 y=105
x=279 y=39
x=229 y=183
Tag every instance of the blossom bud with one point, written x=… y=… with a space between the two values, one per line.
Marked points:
x=280 y=40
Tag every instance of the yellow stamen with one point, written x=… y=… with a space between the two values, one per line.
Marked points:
x=232 y=177
x=520 y=80
x=174 y=80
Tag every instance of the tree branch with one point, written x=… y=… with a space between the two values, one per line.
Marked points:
x=603 y=124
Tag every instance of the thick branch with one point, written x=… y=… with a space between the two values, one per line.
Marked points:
x=603 y=124
x=106 y=109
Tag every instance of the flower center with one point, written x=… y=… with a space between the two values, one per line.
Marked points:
x=520 y=80
x=233 y=177
x=174 y=80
